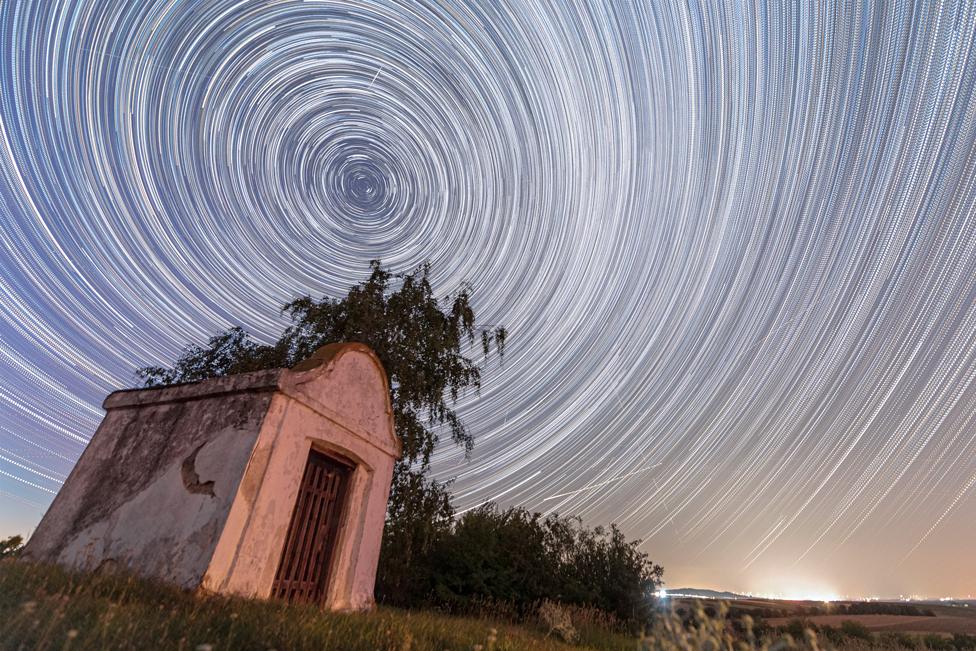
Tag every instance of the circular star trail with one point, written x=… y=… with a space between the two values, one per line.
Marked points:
x=734 y=245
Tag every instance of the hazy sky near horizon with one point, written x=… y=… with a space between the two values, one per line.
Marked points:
x=734 y=245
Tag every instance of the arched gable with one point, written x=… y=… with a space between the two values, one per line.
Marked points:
x=347 y=383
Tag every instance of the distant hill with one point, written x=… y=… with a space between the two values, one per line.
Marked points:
x=704 y=594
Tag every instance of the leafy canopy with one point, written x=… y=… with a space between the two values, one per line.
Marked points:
x=420 y=345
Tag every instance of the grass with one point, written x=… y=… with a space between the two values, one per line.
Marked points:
x=44 y=607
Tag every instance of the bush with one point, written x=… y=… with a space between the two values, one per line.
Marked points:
x=796 y=627
x=488 y=557
x=855 y=630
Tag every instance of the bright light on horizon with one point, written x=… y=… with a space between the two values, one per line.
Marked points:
x=799 y=588
x=812 y=596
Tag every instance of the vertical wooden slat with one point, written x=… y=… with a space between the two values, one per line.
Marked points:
x=304 y=569
x=302 y=522
x=299 y=518
x=336 y=500
x=300 y=570
x=301 y=541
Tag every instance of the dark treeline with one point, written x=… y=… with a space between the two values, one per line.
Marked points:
x=880 y=608
x=852 y=608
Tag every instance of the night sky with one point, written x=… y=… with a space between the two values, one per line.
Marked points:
x=735 y=248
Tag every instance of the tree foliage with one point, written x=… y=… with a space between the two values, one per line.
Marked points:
x=419 y=516
x=421 y=345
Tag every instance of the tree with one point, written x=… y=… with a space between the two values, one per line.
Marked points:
x=420 y=345
x=419 y=516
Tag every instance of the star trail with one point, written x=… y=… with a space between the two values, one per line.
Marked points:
x=734 y=245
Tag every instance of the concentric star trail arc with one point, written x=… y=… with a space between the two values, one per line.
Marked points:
x=734 y=239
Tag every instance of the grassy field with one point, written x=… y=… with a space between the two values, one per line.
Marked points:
x=946 y=624
x=45 y=607
x=943 y=619
x=954 y=623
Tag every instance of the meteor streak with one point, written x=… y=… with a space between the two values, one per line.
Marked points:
x=602 y=483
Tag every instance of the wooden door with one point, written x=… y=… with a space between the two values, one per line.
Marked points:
x=303 y=575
